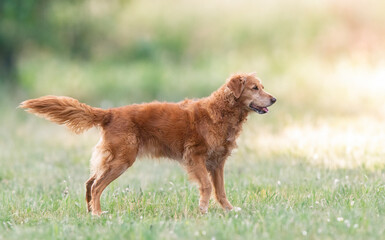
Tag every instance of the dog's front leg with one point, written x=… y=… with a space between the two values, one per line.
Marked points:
x=197 y=171
x=217 y=178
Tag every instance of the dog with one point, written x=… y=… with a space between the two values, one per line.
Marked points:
x=200 y=134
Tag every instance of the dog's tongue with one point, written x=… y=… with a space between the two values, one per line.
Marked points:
x=265 y=109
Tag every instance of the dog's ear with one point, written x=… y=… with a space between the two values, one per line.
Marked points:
x=237 y=84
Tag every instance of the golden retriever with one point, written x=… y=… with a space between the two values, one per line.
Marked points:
x=199 y=134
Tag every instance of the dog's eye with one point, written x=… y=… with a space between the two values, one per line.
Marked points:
x=255 y=88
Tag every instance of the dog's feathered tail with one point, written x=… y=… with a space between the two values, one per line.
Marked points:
x=77 y=116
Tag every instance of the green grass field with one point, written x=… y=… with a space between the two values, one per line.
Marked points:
x=323 y=179
x=312 y=168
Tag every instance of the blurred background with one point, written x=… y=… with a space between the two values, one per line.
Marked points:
x=298 y=170
x=323 y=61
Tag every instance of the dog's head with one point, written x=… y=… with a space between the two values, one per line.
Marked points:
x=249 y=91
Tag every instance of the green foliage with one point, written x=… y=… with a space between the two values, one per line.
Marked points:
x=37 y=24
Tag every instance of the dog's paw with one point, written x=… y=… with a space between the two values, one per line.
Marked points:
x=233 y=209
x=203 y=209
x=99 y=213
x=228 y=208
x=96 y=214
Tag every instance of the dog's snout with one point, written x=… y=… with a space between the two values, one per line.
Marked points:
x=273 y=100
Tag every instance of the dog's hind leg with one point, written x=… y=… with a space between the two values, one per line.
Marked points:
x=108 y=171
x=101 y=183
x=89 y=183
x=99 y=156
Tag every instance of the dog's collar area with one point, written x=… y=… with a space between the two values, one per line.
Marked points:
x=260 y=110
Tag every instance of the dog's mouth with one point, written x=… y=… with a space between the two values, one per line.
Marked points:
x=260 y=110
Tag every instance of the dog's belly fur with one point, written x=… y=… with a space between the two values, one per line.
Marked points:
x=155 y=149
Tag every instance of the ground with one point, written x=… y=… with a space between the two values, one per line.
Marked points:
x=292 y=182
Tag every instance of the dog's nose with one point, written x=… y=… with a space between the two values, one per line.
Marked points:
x=273 y=100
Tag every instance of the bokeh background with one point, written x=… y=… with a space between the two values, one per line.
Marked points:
x=323 y=60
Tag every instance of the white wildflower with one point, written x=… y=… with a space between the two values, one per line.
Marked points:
x=237 y=209
x=347 y=223
x=336 y=181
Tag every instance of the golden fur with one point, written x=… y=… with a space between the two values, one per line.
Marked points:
x=200 y=134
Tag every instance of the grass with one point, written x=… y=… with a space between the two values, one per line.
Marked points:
x=311 y=168
x=320 y=187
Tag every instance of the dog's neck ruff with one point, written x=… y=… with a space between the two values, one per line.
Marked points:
x=222 y=106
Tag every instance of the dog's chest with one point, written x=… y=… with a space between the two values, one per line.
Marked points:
x=221 y=140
